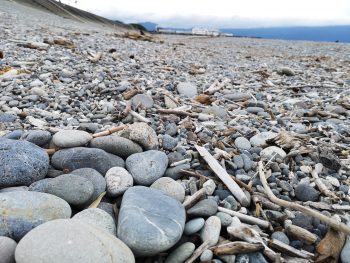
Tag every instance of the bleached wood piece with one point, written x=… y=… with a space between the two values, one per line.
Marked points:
x=236 y=247
x=323 y=189
x=109 y=131
x=223 y=175
x=245 y=218
x=286 y=249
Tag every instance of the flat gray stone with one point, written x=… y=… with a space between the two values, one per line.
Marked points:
x=71 y=138
x=22 y=163
x=70 y=240
x=97 y=218
x=170 y=187
x=304 y=192
x=21 y=211
x=40 y=138
x=81 y=157
x=74 y=189
x=242 y=143
x=211 y=231
x=117 y=145
x=237 y=96
x=180 y=254
x=95 y=178
x=206 y=207
x=193 y=226
x=186 y=89
x=149 y=221
x=147 y=167
x=7 y=250
x=176 y=172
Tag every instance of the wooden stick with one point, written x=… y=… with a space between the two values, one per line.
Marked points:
x=236 y=247
x=223 y=175
x=301 y=234
x=109 y=131
x=216 y=86
x=286 y=249
x=177 y=112
x=245 y=218
x=139 y=117
x=331 y=222
x=323 y=189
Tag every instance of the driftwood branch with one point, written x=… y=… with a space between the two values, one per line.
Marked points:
x=286 y=249
x=109 y=131
x=177 y=112
x=236 y=247
x=330 y=221
x=223 y=175
x=301 y=234
x=323 y=189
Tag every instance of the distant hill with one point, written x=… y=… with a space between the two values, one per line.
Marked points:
x=321 y=33
x=149 y=25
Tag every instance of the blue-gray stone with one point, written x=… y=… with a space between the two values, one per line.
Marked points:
x=22 y=163
x=117 y=145
x=14 y=135
x=194 y=225
x=7 y=117
x=81 y=157
x=206 y=207
x=149 y=221
x=22 y=211
x=169 y=142
x=176 y=172
x=37 y=137
x=281 y=236
x=147 y=167
x=304 y=192
x=242 y=143
x=7 y=250
x=238 y=160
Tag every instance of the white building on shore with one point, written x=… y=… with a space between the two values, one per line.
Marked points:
x=205 y=32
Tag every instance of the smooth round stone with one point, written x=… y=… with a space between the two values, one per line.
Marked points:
x=117 y=145
x=281 y=236
x=225 y=219
x=74 y=189
x=193 y=226
x=95 y=178
x=21 y=211
x=242 y=143
x=22 y=163
x=180 y=254
x=70 y=240
x=147 y=167
x=254 y=110
x=145 y=101
x=39 y=138
x=13 y=189
x=169 y=142
x=71 y=138
x=187 y=89
x=211 y=231
x=170 y=187
x=207 y=255
x=238 y=160
x=81 y=157
x=115 y=161
x=206 y=207
x=176 y=172
x=304 y=192
x=270 y=151
x=98 y=218
x=142 y=134
x=261 y=138
x=149 y=221
x=14 y=135
x=118 y=181
x=6 y=117
x=7 y=250
x=237 y=96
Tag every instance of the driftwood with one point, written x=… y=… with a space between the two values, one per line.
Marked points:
x=331 y=222
x=223 y=175
x=236 y=247
x=245 y=218
x=216 y=86
x=286 y=249
x=323 y=189
x=248 y=234
x=94 y=57
x=177 y=112
x=330 y=247
x=208 y=189
x=196 y=254
x=95 y=203
x=301 y=234
x=109 y=131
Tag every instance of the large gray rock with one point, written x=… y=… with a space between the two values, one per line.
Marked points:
x=7 y=250
x=98 y=218
x=149 y=221
x=147 y=167
x=304 y=192
x=186 y=89
x=142 y=134
x=71 y=138
x=117 y=145
x=96 y=179
x=22 y=163
x=81 y=157
x=70 y=240
x=74 y=189
x=22 y=211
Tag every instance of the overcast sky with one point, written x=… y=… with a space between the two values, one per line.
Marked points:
x=222 y=13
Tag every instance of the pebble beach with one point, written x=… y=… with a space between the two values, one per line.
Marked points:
x=119 y=147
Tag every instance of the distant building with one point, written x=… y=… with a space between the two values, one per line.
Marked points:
x=205 y=32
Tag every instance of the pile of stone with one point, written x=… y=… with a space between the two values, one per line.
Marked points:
x=180 y=150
